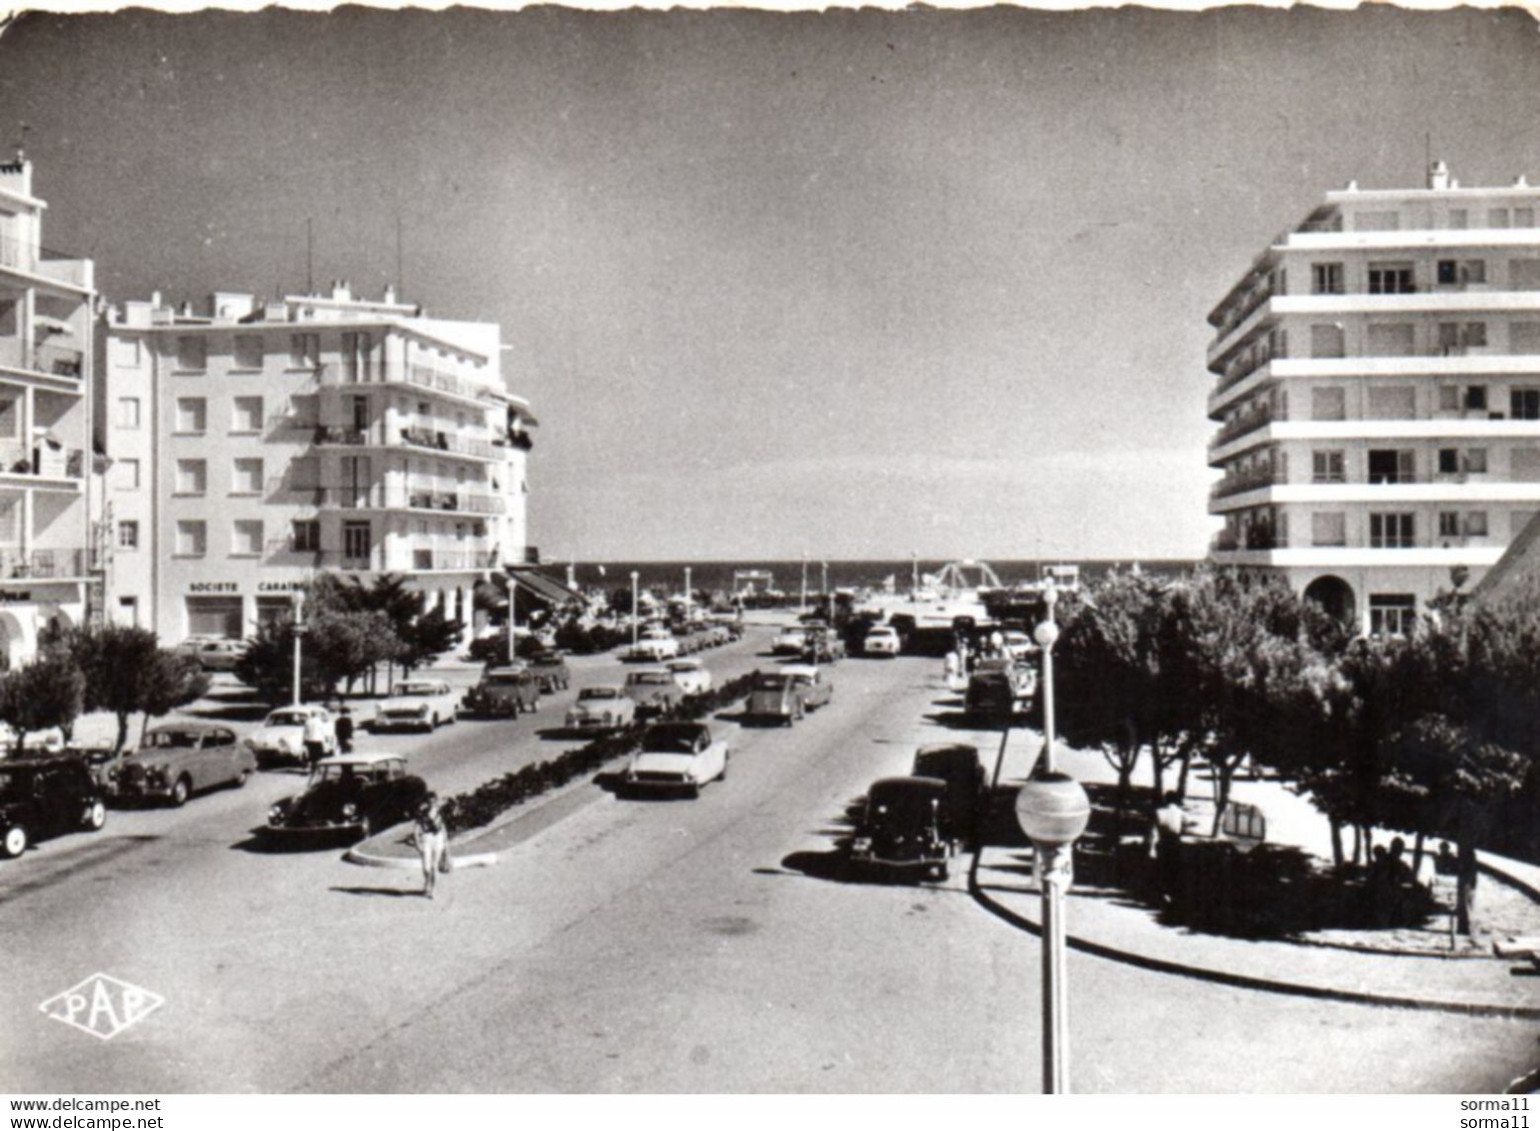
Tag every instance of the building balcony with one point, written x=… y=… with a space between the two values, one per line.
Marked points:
x=445 y=385
x=44 y=565
x=379 y=497
x=415 y=439
x=410 y=559
x=1246 y=422
x=1360 y=557
x=1240 y=482
x=42 y=358
x=43 y=266
x=41 y=466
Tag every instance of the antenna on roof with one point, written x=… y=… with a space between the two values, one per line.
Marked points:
x=309 y=257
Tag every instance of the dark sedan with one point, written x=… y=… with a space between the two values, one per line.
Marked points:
x=349 y=797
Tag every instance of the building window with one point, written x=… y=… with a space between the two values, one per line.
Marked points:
x=128 y=611
x=1448 y=524
x=1461 y=272
x=128 y=534
x=1474 y=461
x=1326 y=278
x=192 y=538
x=1449 y=461
x=1476 y=524
x=1394 y=531
x=248 y=351
x=1524 y=404
x=305 y=473
x=355 y=541
x=1328 y=529
x=1457 y=337
x=1392 y=465
x=1497 y=218
x=191 y=414
x=1392 y=614
x=1449 y=398
x=191 y=354
x=1391 y=339
x=10 y=521
x=1476 y=397
x=125 y=474
x=10 y=418
x=246 y=538
x=128 y=412
x=247 y=477
x=1391 y=279
x=246 y=415
x=1326 y=340
x=304 y=351
x=1523 y=217
x=1328 y=467
x=1524 y=337
x=307 y=536
x=192 y=476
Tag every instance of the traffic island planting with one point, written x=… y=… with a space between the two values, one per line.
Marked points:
x=484 y=804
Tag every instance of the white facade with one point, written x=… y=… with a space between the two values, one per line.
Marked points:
x=46 y=302
x=255 y=444
x=1378 y=395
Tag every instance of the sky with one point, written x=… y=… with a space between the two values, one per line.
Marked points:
x=853 y=284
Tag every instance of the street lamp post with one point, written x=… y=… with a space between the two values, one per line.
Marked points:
x=823 y=587
x=689 y=601
x=636 y=611
x=1053 y=811
x=1046 y=634
x=513 y=589
x=802 y=605
x=299 y=633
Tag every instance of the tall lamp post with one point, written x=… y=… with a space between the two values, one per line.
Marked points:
x=636 y=611
x=689 y=600
x=1046 y=634
x=513 y=590
x=1053 y=811
x=299 y=635
x=802 y=605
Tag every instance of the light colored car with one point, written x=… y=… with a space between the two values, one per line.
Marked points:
x=883 y=640
x=1018 y=645
x=654 y=691
x=281 y=737
x=603 y=708
x=691 y=676
x=417 y=704
x=789 y=642
x=179 y=759
x=677 y=756
x=817 y=688
x=655 y=648
x=213 y=653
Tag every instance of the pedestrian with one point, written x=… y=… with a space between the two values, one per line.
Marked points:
x=997 y=644
x=1169 y=823
x=345 y=729
x=951 y=666
x=432 y=842
x=315 y=737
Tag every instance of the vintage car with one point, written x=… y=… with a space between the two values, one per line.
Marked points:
x=1018 y=645
x=882 y=640
x=281 y=737
x=904 y=828
x=213 y=653
x=655 y=648
x=504 y=692
x=789 y=642
x=603 y=708
x=681 y=756
x=102 y=760
x=773 y=696
x=550 y=668
x=42 y=797
x=996 y=686
x=958 y=765
x=180 y=759
x=817 y=689
x=417 y=704
x=823 y=646
x=348 y=797
x=691 y=676
x=654 y=692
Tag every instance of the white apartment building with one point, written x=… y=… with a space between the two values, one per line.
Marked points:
x=46 y=310
x=255 y=443
x=1378 y=396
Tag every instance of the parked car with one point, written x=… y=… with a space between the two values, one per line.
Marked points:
x=213 y=653
x=996 y=686
x=823 y=647
x=550 y=668
x=348 y=797
x=789 y=642
x=102 y=762
x=904 y=828
x=281 y=737
x=1019 y=645
x=180 y=759
x=655 y=648
x=776 y=696
x=50 y=741
x=654 y=691
x=604 y=708
x=504 y=692
x=419 y=704
x=691 y=676
x=882 y=640
x=43 y=797
x=959 y=766
x=817 y=689
x=677 y=756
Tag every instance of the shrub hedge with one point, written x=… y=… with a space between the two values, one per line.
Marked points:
x=487 y=801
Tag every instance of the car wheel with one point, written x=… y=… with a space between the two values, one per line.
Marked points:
x=242 y=778
x=180 y=792
x=694 y=789
x=725 y=760
x=96 y=816
x=15 y=841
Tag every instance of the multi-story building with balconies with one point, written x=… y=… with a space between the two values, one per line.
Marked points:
x=46 y=311
x=1378 y=396
x=256 y=443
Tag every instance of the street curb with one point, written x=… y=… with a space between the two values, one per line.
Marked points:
x=1245 y=981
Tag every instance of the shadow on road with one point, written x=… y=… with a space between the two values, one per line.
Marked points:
x=395 y=892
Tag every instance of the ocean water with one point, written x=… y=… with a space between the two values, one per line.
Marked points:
x=711 y=576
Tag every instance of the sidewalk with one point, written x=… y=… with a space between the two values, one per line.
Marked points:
x=1110 y=925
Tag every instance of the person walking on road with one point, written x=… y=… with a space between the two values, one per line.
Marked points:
x=1169 y=825
x=315 y=738
x=432 y=842
x=344 y=729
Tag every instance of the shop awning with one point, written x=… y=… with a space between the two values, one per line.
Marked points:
x=552 y=592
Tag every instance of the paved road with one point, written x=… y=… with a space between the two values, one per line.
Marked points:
x=637 y=946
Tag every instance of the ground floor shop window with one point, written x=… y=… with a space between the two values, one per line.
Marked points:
x=1392 y=614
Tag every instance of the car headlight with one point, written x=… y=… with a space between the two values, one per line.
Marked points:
x=349 y=811
x=862 y=844
x=275 y=813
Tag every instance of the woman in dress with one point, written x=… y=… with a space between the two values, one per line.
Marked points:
x=432 y=841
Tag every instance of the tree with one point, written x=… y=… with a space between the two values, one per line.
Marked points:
x=48 y=692
x=167 y=682
x=429 y=635
x=114 y=659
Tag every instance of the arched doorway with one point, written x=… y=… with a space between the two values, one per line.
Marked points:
x=15 y=645
x=1335 y=596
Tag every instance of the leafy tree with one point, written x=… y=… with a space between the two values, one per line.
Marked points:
x=429 y=635
x=170 y=681
x=126 y=670
x=48 y=692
